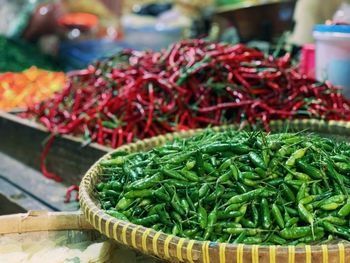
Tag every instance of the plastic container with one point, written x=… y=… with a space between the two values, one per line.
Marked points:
x=307 y=60
x=333 y=55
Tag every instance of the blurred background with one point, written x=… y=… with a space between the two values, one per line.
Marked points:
x=77 y=32
x=74 y=33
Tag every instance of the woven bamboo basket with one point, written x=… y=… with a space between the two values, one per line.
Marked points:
x=69 y=229
x=177 y=249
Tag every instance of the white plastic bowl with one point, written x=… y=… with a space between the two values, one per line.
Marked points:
x=333 y=55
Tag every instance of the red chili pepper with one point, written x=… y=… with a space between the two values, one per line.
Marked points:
x=151 y=108
x=46 y=122
x=120 y=136
x=100 y=133
x=225 y=106
x=70 y=189
x=129 y=137
x=114 y=138
x=297 y=106
x=43 y=160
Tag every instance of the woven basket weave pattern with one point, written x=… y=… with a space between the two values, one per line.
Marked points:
x=178 y=249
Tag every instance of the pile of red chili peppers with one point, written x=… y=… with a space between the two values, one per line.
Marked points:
x=194 y=83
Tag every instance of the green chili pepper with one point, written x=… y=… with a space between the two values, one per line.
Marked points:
x=345 y=210
x=310 y=238
x=261 y=172
x=266 y=219
x=266 y=157
x=216 y=194
x=255 y=214
x=236 y=148
x=146 y=220
x=185 y=205
x=335 y=220
x=173 y=174
x=160 y=193
x=292 y=221
x=123 y=203
x=234 y=171
x=176 y=216
x=229 y=194
x=301 y=192
x=112 y=193
x=194 y=195
x=163 y=216
x=330 y=206
x=340 y=158
x=240 y=238
x=249 y=175
x=227 y=215
x=147 y=182
x=181 y=184
x=342 y=167
x=117 y=161
x=277 y=215
x=138 y=193
x=291 y=211
x=242 y=210
x=252 y=240
x=100 y=186
x=233 y=207
x=212 y=217
x=293 y=140
x=239 y=230
x=107 y=205
x=245 y=197
x=192 y=176
x=276 y=182
x=301 y=176
x=306 y=200
x=225 y=177
x=202 y=217
x=116 y=214
x=226 y=224
x=247 y=223
x=295 y=232
x=156 y=226
x=288 y=192
x=225 y=165
x=336 y=176
x=309 y=169
x=296 y=155
x=277 y=240
x=190 y=202
x=156 y=208
x=178 y=208
x=190 y=232
x=305 y=214
x=257 y=160
x=200 y=163
x=344 y=232
x=209 y=169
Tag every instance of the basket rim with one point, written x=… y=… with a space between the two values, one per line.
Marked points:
x=94 y=214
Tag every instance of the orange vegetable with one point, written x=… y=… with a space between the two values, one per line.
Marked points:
x=21 y=90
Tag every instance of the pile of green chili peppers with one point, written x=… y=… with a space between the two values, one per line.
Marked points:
x=236 y=187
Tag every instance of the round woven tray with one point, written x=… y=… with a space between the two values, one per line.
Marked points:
x=177 y=249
